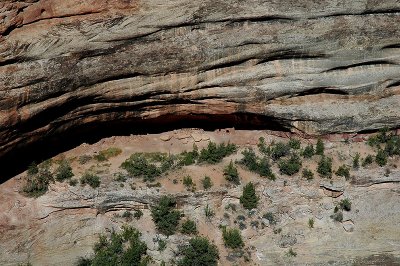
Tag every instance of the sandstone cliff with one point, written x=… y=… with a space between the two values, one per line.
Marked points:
x=62 y=225
x=309 y=66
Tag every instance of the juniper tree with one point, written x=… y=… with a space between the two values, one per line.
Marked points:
x=249 y=198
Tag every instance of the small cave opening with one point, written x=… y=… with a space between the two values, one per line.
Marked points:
x=59 y=141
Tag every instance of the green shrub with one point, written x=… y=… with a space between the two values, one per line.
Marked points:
x=291 y=253
x=162 y=244
x=308 y=151
x=165 y=216
x=368 y=160
x=187 y=181
x=325 y=167
x=124 y=248
x=231 y=173
x=294 y=144
x=290 y=166
x=270 y=217
x=215 y=153
x=338 y=216
x=373 y=141
x=356 y=161
x=250 y=159
x=167 y=163
x=381 y=158
x=64 y=171
x=382 y=136
x=127 y=215
x=307 y=174
x=189 y=228
x=154 y=156
x=343 y=170
x=264 y=169
x=279 y=150
x=120 y=177
x=345 y=204
x=139 y=166
x=311 y=222
x=209 y=213
x=138 y=214
x=82 y=262
x=319 y=150
x=232 y=238
x=90 y=179
x=255 y=164
x=249 y=198
x=207 y=182
x=393 y=146
x=262 y=147
x=199 y=252
x=189 y=158
x=100 y=157
x=37 y=184
x=73 y=182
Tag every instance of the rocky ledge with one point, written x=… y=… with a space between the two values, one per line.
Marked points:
x=310 y=66
x=293 y=213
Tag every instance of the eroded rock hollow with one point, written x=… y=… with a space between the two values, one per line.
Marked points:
x=311 y=66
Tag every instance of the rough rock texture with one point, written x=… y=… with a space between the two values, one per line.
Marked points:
x=312 y=66
x=62 y=225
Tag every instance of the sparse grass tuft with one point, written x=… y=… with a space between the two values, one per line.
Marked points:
x=105 y=155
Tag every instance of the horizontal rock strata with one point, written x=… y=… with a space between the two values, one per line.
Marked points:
x=311 y=66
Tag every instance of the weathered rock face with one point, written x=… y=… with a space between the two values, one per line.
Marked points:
x=63 y=225
x=312 y=66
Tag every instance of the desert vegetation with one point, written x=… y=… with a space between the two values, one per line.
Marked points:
x=212 y=169
x=38 y=179
x=124 y=248
x=215 y=153
x=254 y=163
x=90 y=179
x=105 y=155
x=231 y=173
x=165 y=215
x=232 y=238
x=249 y=198
x=199 y=251
x=189 y=228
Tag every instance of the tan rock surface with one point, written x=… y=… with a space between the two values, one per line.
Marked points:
x=310 y=66
x=62 y=225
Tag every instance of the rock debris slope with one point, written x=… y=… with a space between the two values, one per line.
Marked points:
x=311 y=66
